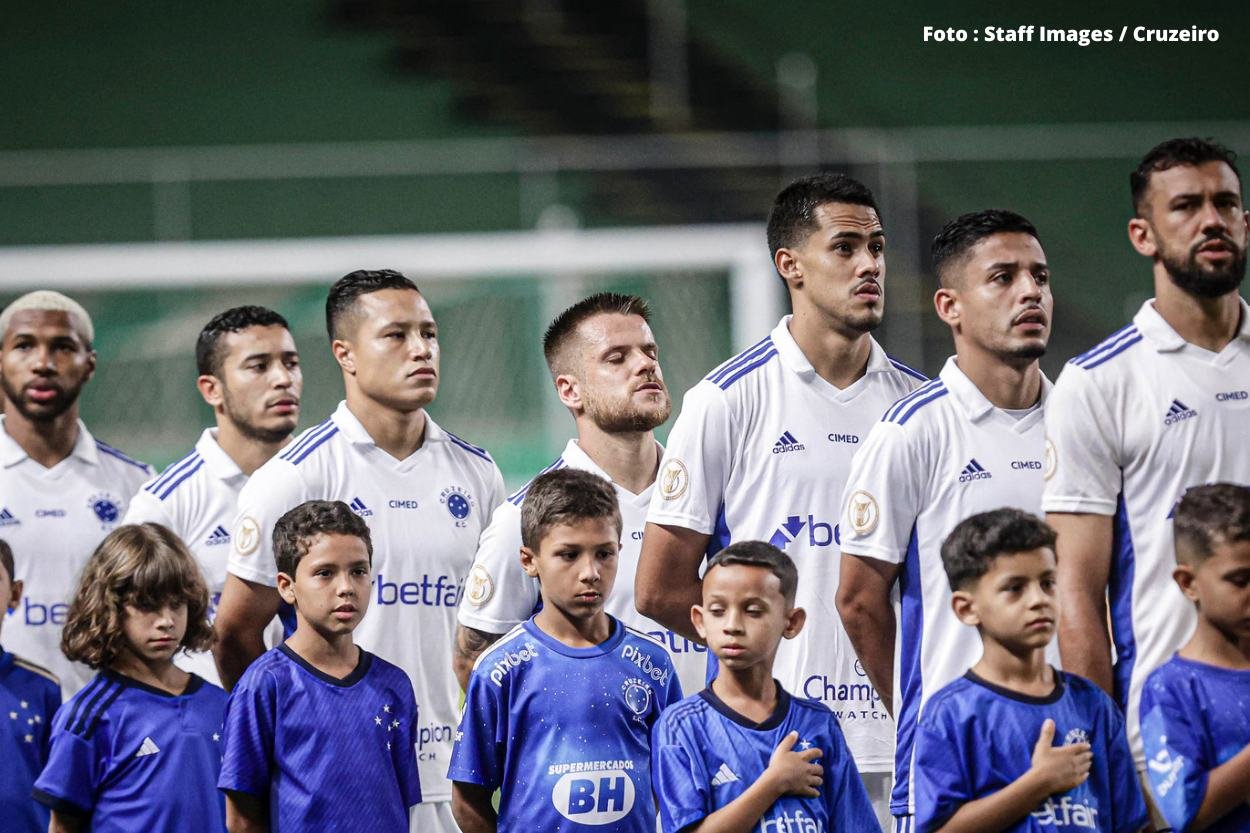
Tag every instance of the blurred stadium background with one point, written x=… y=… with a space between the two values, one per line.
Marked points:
x=162 y=161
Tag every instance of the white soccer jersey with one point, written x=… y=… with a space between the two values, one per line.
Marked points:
x=501 y=596
x=53 y=519
x=938 y=456
x=198 y=498
x=761 y=451
x=1134 y=423
x=425 y=514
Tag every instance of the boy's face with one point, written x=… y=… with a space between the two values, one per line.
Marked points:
x=154 y=634
x=1220 y=587
x=576 y=565
x=330 y=588
x=1014 y=603
x=744 y=616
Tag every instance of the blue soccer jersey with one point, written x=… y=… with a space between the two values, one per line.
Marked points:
x=327 y=753
x=975 y=738
x=133 y=757
x=705 y=755
x=29 y=697
x=565 y=732
x=1194 y=717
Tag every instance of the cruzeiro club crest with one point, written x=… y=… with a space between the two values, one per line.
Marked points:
x=637 y=696
x=459 y=504
x=107 y=509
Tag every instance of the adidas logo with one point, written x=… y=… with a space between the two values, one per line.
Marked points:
x=219 y=536
x=358 y=506
x=149 y=747
x=787 y=443
x=7 y=519
x=1178 y=412
x=723 y=776
x=974 y=471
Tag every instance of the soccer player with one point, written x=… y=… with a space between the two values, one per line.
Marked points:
x=744 y=754
x=61 y=489
x=763 y=445
x=986 y=757
x=1160 y=406
x=1194 y=719
x=559 y=711
x=969 y=441
x=137 y=748
x=250 y=377
x=320 y=734
x=605 y=363
x=424 y=492
x=29 y=697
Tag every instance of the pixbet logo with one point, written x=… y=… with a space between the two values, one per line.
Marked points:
x=509 y=661
x=645 y=664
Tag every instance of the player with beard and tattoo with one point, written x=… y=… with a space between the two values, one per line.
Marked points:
x=249 y=374
x=61 y=489
x=605 y=365
x=1160 y=406
x=970 y=441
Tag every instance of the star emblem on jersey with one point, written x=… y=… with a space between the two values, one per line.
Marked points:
x=458 y=502
x=723 y=776
x=480 y=586
x=148 y=747
x=674 y=479
x=787 y=443
x=107 y=508
x=1178 y=411
x=637 y=696
x=1049 y=460
x=28 y=716
x=388 y=723
x=246 y=536
x=864 y=512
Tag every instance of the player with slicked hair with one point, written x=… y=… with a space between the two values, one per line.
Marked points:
x=765 y=441
x=1160 y=406
x=424 y=492
x=61 y=489
x=249 y=374
x=606 y=368
x=969 y=441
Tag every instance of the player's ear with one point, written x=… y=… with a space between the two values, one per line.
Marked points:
x=946 y=302
x=569 y=389
x=795 y=619
x=696 y=619
x=91 y=360
x=965 y=609
x=529 y=560
x=15 y=595
x=1142 y=236
x=211 y=389
x=787 y=263
x=286 y=588
x=1184 y=577
x=342 y=351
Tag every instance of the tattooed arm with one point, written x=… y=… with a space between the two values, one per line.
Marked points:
x=470 y=643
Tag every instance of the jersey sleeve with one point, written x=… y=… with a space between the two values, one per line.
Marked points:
x=846 y=799
x=146 y=507
x=78 y=763
x=1172 y=739
x=499 y=595
x=1084 y=465
x=478 y=754
x=940 y=785
x=679 y=776
x=248 y=736
x=694 y=473
x=406 y=768
x=496 y=492
x=271 y=492
x=882 y=495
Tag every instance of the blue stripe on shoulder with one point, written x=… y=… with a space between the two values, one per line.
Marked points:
x=309 y=448
x=902 y=418
x=742 y=358
x=100 y=698
x=113 y=452
x=915 y=374
x=755 y=364
x=1109 y=343
x=169 y=490
x=469 y=447
x=902 y=403
x=172 y=472
x=82 y=697
x=307 y=437
x=517 y=497
x=1090 y=364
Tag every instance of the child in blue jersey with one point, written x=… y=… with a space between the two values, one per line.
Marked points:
x=137 y=748
x=559 y=711
x=320 y=734
x=29 y=697
x=744 y=754
x=1195 y=708
x=1015 y=745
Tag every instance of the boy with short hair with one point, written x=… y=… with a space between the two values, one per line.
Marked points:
x=319 y=733
x=986 y=758
x=29 y=697
x=743 y=754
x=559 y=711
x=1195 y=708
